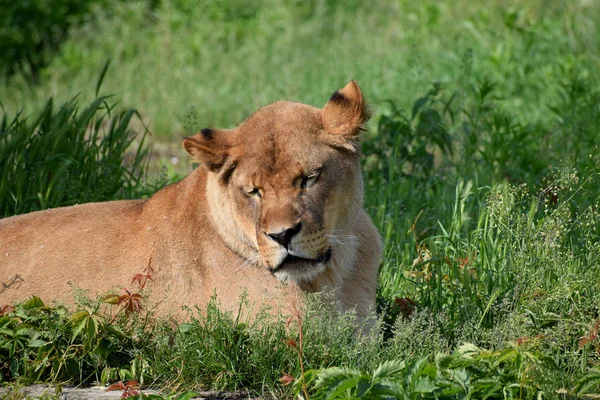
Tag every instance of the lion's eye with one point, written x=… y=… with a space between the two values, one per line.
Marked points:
x=309 y=179
x=254 y=192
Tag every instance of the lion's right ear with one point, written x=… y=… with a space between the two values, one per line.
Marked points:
x=210 y=147
x=343 y=116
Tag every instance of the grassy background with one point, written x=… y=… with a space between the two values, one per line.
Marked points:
x=481 y=173
x=228 y=57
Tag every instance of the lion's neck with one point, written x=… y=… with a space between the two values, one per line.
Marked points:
x=222 y=217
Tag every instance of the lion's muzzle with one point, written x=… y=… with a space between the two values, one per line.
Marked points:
x=299 y=268
x=284 y=237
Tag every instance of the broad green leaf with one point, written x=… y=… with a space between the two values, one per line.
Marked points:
x=444 y=360
x=6 y=332
x=37 y=343
x=105 y=376
x=103 y=348
x=425 y=385
x=185 y=328
x=32 y=303
x=459 y=375
x=113 y=330
x=485 y=388
x=125 y=374
x=507 y=354
x=331 y=377
x=391 y=390
x=4 y=321
x=388 y=369
x=111 y=299
x=78 y=316
x=342 y=387
x=468 y=350
x=92 y=328
x=25 y=327
x=186 y=395
x=79 y=321
x=363 y=387
x=418 y=105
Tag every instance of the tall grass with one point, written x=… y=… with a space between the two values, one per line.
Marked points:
x=67 y=154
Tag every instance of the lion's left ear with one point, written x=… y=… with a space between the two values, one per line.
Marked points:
x=210 y=147
x=343 y=116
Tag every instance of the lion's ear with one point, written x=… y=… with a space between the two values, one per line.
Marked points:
x=210 y=147
x=344 y=114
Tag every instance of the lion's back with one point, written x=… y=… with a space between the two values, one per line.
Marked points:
x=41 y=252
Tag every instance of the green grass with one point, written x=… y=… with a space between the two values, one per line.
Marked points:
x=65 y=155
x=481 y=172
x=228 y=57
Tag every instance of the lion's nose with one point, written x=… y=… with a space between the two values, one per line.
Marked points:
x=285 y=236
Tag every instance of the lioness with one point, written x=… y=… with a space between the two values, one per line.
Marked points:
x=275 y=209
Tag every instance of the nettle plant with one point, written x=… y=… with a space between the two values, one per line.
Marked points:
x=468 y=372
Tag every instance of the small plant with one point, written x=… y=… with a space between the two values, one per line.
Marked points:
x=130 y=389
x=131 y=301
x=38 y=342
x=470 y=372
x=591 y=337
x=407 y=144
x=298 y=346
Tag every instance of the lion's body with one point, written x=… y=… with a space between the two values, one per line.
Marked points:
x=197 y=237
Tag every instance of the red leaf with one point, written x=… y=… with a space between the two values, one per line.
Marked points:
x=123 y=299
x=137 y=278
x=463 y=261
x=522 y=340
x=141 y=279
x=590 y=337
x=287 y=379
x=130 y=393
x=289 y=320
x=132 y=384
x=583 y=341
x=135 y=304
x=131 y=302
x=407 y=305
x=6 y=309
x=116 y=386
x=291 y=343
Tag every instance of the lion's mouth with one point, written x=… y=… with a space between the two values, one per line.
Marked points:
x=293 y=262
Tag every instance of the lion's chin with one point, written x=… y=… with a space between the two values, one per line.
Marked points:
x=300 y=269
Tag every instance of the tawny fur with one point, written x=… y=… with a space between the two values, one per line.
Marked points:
x=288 y=165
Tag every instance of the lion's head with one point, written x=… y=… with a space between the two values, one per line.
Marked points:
x=285 y=187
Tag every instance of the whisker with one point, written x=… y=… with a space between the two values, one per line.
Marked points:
x=251 y=261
